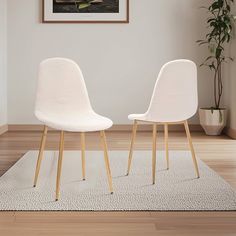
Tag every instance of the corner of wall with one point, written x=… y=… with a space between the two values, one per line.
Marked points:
x=3 y=66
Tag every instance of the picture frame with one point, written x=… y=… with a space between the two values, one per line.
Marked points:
x=85 y=11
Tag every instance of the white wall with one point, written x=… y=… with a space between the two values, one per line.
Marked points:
x=230 y=83
x=3 y=65
x=232 y=88
x=120 y=62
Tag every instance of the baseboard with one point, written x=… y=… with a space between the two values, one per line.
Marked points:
x=117 y=128
x=230 y=132
x=3 y=129
x=148 y=127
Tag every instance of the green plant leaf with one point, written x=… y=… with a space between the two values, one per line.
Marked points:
x=220 y=24
x=84 y=5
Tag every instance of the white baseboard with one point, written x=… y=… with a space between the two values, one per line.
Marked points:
x=118 y=128
x=3 y=129
x=230 y=132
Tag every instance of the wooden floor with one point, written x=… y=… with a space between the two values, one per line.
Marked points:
x=218 y=152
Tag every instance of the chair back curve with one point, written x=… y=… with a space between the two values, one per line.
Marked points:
x=61 y=88
x=175 y=96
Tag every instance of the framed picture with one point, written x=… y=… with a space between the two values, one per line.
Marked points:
x=86 y=11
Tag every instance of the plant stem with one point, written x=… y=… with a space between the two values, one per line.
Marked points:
x=215 y=86
x=220 y=84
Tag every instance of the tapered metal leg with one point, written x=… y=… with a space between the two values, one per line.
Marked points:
x=135 y=126
x=83 y=154
x=167 y=146
x=40 y=156
x=59 y=167
x=154 y=145
x=108 y=169
x=191 y=148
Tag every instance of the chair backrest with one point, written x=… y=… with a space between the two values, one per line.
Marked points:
x=175 y=96
x=61 y=88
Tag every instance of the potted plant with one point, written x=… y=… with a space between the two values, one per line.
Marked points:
x=220 y=25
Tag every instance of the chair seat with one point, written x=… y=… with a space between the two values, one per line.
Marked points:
x=147 y=118
x=90 y=122
x=141 y=117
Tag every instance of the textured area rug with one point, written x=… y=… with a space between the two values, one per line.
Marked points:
x=176 y=189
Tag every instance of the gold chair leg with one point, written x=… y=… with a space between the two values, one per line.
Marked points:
x=83 y=154
x=59 y=167
x=40 y=156
x=135 y=126
x=154 y=145
x=191 y=148
x=167 y=145
x=104 y=143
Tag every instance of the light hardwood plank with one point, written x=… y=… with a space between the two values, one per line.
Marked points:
x=218 y=152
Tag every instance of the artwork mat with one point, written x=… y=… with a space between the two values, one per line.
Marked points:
x=50 y=17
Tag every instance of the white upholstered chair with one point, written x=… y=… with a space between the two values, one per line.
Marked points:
x=174 y=101
x=62 y=103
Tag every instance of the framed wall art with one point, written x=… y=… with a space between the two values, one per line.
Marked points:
x=86 y=11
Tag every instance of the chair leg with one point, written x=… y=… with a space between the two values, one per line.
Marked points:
x=83 y=154
x=154 y=145
x=108 y=169
x=167 y=145
x=191 y=148
x=40 y=156
x=135 y=126
x=59 y=167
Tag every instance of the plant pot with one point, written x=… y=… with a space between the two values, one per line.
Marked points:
x=213 y=121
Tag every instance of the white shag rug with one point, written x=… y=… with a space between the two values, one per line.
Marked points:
x=176 y=189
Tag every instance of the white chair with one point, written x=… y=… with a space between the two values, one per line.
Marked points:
x=62 y=103
x=174 y=101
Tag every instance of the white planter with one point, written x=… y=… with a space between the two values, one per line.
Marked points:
x=213 y=121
